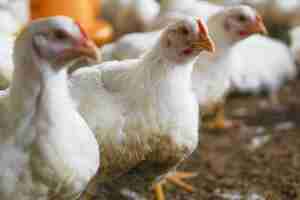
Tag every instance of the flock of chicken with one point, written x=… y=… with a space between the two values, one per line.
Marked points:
x=133 y=117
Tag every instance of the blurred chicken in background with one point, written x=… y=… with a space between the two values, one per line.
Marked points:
x=14 y=14
x=129 y=16
x=279 y=15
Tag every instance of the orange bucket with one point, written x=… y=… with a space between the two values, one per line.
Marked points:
x=83 y=11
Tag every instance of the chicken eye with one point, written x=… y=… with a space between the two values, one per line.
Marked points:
x=61 y=35
x=184 y=31
x=242 y=18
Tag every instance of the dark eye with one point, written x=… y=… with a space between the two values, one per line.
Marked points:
x=184 y=31
x=242 y=18
x=61 y=35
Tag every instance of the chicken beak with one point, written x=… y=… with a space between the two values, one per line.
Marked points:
x=258 y=27
x=204 y=42
x=88 y=49
x=208 y=44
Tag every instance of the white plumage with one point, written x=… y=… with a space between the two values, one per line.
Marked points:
x=208 y=90
x=218 y=65
x=144 y=111
x=130 y=15
x=47 y=150
x=135 y=44
x=278 y=12
x=176 y=9
x=14 y=14
x=246 y=65
x=227 y=28
x=19 y=9
x=6 y=62
x=261 y=63
x=129 y=46
x=8 y=23
x=190 y=7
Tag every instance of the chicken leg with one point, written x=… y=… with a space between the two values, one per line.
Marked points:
x=176 y=179
x=220 y=121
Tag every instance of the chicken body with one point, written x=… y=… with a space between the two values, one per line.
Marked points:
x=144 y=128
x=47 y=150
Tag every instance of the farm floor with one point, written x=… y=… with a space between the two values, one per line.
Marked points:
x=259 y=161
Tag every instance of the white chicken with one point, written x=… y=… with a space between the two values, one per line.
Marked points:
x=130 y=46
x=14 y=14
x=6 y=61
x=261 y=64
x=130 y=15
x=133 y=45
x=143 y=111
x=276 y=12
x=190 y=7
x=227 y=28
x=173 y=9
x=47 y=151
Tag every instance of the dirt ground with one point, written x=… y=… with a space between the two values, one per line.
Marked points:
x=259 y=161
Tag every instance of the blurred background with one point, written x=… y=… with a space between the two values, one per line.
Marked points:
x=276 y=13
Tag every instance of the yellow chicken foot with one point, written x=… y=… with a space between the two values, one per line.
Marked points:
x=176 y=179
x=220 y=121
x=159 y=193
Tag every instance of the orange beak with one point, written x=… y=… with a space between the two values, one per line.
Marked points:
x=205 y=42
x=87 y=48
x=258 y=26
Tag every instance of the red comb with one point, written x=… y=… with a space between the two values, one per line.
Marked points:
x=82 y=30
x=202 y=26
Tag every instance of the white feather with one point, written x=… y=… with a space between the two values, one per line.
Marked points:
x=261 y=63
x=6 y=63
x=130 y=15
x=176 y=9
x=14 y=14
x=130 y=46
x=277 y=12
